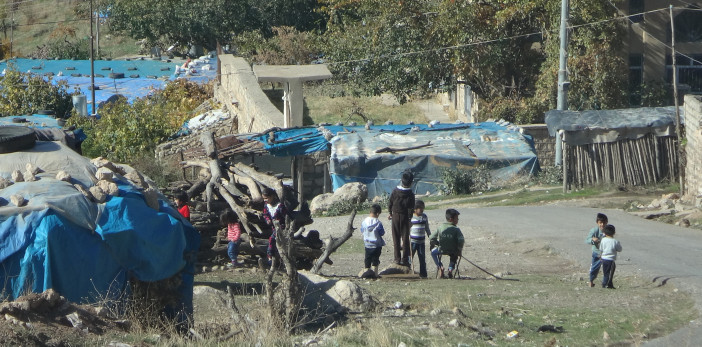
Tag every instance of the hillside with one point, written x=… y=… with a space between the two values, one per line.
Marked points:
x=40 y=22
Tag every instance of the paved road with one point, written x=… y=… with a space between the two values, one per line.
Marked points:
x=655 y=250
x=659 y=251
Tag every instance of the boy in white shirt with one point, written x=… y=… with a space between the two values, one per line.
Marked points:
x=373 y=232
x=609 y=247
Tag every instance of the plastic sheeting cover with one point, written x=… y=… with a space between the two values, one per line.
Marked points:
x=368 y=157
x=306 y=140
x=603 y=126
x=86 y=251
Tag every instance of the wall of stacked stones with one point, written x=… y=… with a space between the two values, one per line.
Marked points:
x=693 y=150
x=544 y=144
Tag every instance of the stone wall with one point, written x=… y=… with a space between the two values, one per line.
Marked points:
x=693 y=149
x=240 y=92
x=544 y=144
x=315 y=175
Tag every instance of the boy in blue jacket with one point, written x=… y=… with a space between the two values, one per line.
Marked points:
x=373 y=232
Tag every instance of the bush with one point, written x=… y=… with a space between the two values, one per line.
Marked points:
x=25 y=93
x=345 y=207
x=127 y=132
x=550 y=175
x=458 y=182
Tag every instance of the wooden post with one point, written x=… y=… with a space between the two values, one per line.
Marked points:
x=675 y=96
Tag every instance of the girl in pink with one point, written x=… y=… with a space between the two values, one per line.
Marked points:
x=230 y=219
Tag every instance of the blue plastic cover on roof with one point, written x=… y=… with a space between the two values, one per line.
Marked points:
x=306 y=140
x=152 y=74
x=83 y=250
x=378 y=159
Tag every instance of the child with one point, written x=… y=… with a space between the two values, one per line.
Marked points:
x=400 y=206
x=448 y=240
x=181 y=200
x=593 y=238
x=231 y=221
x=373 y=232
x=609 y=247
x=273 y=209
x=418 y=233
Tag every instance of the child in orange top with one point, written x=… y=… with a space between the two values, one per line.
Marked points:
x=181 y=201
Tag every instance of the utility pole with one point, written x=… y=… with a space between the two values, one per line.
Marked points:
x=681 y=176
x=12 y=31
x=563 y=84
x=92 y=61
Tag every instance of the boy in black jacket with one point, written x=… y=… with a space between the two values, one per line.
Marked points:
x=400 y=206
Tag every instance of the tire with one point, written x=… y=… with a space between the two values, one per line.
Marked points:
x=46 y=112
x=116 y=75
x=16 y=138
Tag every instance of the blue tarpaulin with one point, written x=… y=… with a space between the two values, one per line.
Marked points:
x=141 y=77
x=378 y=159
x=377 y=155
x=306 y=140
x=84 y=250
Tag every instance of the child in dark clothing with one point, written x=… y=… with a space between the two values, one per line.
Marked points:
x=609 y=247
x=400 y=206
x=273 y=209
x=231 y=221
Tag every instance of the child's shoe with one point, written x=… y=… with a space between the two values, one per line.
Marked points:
x=231 y=265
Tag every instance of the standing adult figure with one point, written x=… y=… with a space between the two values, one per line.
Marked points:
x=401 y=207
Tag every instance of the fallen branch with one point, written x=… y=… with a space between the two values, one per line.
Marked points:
x=331 y=244
x=394 y=150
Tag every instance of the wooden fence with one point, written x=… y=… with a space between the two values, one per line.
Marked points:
x=637 y=162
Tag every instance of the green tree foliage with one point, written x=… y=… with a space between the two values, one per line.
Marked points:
x=203 y=22
x=25 y=93
x=287 y=46
x=127 y=132
x=414 y=47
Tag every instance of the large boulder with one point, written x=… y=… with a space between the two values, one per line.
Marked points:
x=329 y=296
x=353 y=192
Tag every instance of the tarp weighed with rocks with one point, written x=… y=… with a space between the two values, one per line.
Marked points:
x=604 y=126
x=84 y=250
x=378 y=159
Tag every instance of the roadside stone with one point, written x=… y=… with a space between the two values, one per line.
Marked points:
x=29 y=177
x=63 y=176
x=396 y=269
x=151 y=197
x=683 y=223
x=4 y=183
x=353 y=192
x=17 y=176
x=104 y=174
x=435 y=312
x=98 y=194
x=109 y=187
x=32 y=169
x=455 y=323
x=17 y=200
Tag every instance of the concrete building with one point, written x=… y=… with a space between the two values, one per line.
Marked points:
x=649 y=43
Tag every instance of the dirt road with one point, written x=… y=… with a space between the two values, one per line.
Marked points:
x=666 y=254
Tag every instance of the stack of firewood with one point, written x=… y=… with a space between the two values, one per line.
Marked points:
x=223 y=185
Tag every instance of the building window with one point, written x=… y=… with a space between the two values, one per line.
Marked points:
x=688 y=26
x=689 y=71
x=636 y=6
x=635 y=78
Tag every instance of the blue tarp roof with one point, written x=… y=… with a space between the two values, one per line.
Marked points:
x=377 y=156
x=84 y=250
x=130 y=87
x=306 y=140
